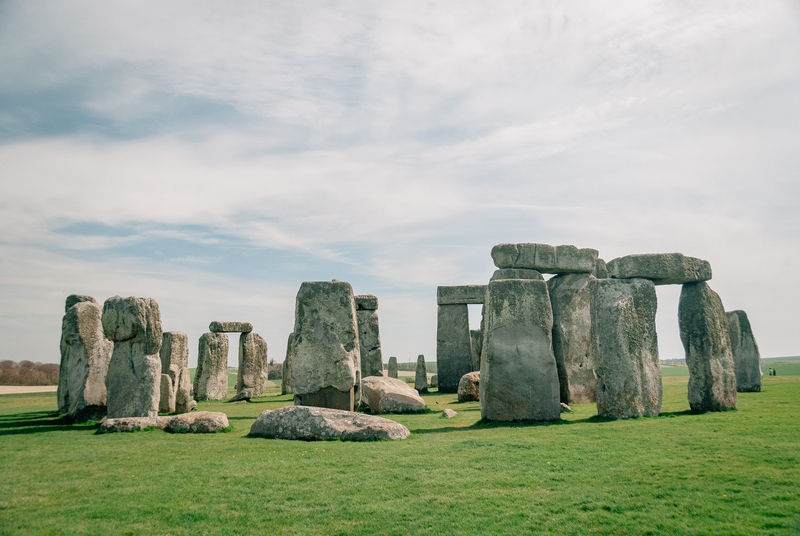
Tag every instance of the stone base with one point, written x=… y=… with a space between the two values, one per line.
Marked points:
x=327 y=397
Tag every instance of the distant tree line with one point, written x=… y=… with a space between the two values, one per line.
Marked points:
x=430 y=366
x=28 y=373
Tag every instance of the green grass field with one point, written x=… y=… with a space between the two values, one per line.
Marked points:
x=723 y=473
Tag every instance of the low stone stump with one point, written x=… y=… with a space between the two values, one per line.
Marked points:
x=564 y=259
x=746 y=357
x=308 y=423
x=469 y=387
x=660 y=268
x=435 y=381
x=390 y=395
x=392 y=372
x=211 y=376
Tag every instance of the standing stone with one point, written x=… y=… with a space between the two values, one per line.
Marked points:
x=253 y=366
x=707 y=341
x=286 y=382
x=469 y=387
x=133 y=382
x=175 y=363
x=211 y=376
x=369 y=335
x=453 y=348
x=421 y=376
x=392 y=367
x=545 y=258
x=624 y=347
x=476 y=343
x=746 y=357
x=572 y=323
x=85 y=355
x=661 y=268
x=518 y=378
x=435 y=381
x=167 y=395
x=326 y=365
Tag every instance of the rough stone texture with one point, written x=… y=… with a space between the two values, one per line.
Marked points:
x=230 y=327
x=327 y=348
x=286 y=382
x=600 y=270
x=572 y=324
x=565 y=408
x=390 y=395
x=476 y=344
x=369 y=337
x=661 y=268
x=453 y=348
x=545 y=258
x=134 y=373
x=201 y=422
x=449 y=413
x=518 y=378
x=328 y=397
x=435 y=380
x=624 y=347
x=319 y=424
x=167 y=395
x=421 y=376
x=85 y=355
x=72 y=299
x=175 y=363
x=253 y=365
x=707 y=341
x=132 y=424
x=746 y=357
x=211 y=376
x=469 y=387
x=515 y=273
x=366 y=302
x=463 y=294
x=392 y=372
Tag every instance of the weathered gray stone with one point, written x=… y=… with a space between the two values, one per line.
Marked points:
x=211 y=376
x=746 y=357
x=167 y=395
x=392 y=372
x=661 y=268
x=134 y=372
x=518 y=379
x=469 y=387
x=72 y=299
x=516 y=273
x=85 y=355
x=132 y=424
x=547 y=259
x=565 y=408
x=453 y=348
x=286 y=382
x=459 y=295
x=253 y=366
x=600 y=270
x=449 y=413
x=476 y=344
x=319 y=424
x=707 y=341
x=201 y=422
x=624 y=347
x=435 y=381
x=369 y=336
x=175 y=363
x=390 y=395
x=230 y=327
x=572 y=324
x=421 y=376
x=327 y=348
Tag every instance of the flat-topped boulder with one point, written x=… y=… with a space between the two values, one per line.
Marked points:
x=308 y=423
x=458 y=295
x=132 y=424
x=390 y=395
x=660 y=268
x=230 y=327
x=200 y=422
x=564 y=259
x=469 y=387
x=366 y=302
x=746 y=357
x=516 y=273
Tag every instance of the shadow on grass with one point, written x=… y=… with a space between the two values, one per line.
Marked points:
x=35 y=422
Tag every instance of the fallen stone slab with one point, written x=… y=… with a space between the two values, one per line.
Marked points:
x=200 y=422
x=449 y=413
x=132 y=424
x=746 y=357
x=469 y=387
x=464 y=294
x=564 y=259
x=516 y=273
x=661 y=268
x=309 y=423
x=390 y=395
x=230 y=327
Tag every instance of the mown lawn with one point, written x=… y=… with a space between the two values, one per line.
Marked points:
x=725 y=473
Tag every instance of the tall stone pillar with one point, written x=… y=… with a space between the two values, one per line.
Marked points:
x=392 y=372
x=253 y=366
x=211 y=376
x=175 y=365
x=453 y=342
x=746 y=357
x=369 y=335
x=421 y=376
x=286 y=381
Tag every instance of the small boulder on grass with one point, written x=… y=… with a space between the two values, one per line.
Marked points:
x=449 y=413
x=200 y=422
x=309 y=423
x=469 y=387
x=132 y=424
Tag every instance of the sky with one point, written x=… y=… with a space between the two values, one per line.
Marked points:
x=215 y=155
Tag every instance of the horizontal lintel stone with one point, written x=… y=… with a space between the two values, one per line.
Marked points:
x=460 y=295
x=366 y=302
x=230 y=327
x=547 y=259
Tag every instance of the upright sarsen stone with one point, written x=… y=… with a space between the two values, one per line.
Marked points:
x=175 y=364
x=572 y=324
x=421 y=376
x=286 y=381
x=624 y=347
x=707 y=341
x=211 y=376
x=134 y=374
x=453 y=348
x=392 y=372
x=746 y=357
x=476 y=343
x=518 y=378
x=326 y=366
x=85 y=355
x=253 y=366
x=369 y=335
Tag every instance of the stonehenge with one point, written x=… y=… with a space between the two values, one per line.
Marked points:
x=453 y=341
x=252 y=373
x=211 y=376
x=421 y=376
x=369 y=335
x=746 y=357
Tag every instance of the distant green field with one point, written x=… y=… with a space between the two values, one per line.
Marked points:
x=719 y=473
